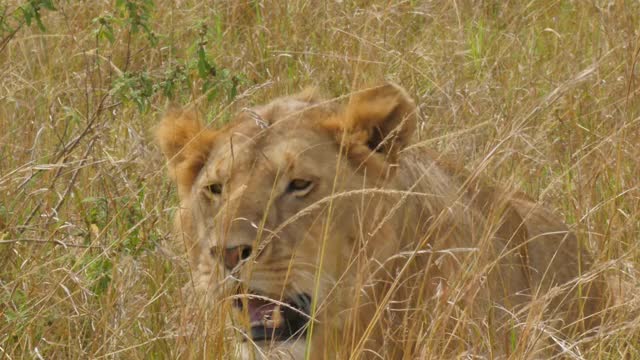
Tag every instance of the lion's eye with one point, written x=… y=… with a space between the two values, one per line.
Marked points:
x=300 y=187
x=215 y=189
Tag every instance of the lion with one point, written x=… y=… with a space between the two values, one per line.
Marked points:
x=329 y=233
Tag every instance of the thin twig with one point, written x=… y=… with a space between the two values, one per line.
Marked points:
x=50 y=242
x=74 y=176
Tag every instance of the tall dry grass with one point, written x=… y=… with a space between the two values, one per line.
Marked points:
x=542 y=94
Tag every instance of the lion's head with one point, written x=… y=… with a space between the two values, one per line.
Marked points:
x=274 y=200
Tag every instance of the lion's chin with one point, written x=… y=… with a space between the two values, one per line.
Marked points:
x=272 y=320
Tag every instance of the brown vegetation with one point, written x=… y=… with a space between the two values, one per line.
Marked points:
x=537 y=96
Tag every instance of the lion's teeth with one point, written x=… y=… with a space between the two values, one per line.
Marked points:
x=272 y=319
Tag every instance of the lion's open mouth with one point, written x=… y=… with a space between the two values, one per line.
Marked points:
x=276 y=320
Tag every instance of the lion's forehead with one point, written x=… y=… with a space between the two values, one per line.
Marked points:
x=269 y=139
x=280 y=109
x=276 y=150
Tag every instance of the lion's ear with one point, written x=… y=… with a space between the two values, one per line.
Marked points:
x=377 y=123
x=185 y=143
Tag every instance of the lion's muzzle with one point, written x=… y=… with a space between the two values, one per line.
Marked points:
x=272 y=320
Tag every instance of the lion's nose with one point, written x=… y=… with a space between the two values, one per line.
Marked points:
x=233 y=256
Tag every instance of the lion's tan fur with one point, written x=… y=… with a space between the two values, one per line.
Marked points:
x=406 y=243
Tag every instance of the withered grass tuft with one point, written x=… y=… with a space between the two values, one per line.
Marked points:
x=541 y=94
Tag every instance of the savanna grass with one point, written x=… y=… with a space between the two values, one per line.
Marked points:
x=539 y=94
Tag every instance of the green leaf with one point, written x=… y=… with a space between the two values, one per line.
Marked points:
x=27 y=14
x=47 y=4
x=39 y=22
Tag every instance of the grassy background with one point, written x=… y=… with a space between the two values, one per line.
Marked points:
x=540 y=93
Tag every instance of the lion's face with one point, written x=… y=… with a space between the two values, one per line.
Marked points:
x=258 y=210
x=266 y=198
